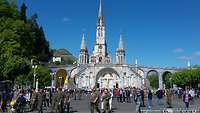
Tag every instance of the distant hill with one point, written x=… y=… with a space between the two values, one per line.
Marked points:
x=59 y=52
x=67 y=57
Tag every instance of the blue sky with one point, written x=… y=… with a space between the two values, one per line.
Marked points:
x=156 y=32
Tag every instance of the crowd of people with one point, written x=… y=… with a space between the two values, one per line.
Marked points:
x=58 y=101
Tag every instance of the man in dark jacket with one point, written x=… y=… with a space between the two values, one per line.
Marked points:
x=20 y=103
x=142 y=97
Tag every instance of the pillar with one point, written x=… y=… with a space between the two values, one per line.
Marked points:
x=160 y=80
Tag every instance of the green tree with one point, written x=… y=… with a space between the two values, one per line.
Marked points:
x=187 y=77
x=23 y=12
x=43 y=76
x=154 y=81
x=20 y=40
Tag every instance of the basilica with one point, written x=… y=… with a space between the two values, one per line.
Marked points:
x=98 y=69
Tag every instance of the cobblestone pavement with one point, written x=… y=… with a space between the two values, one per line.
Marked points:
x=82 y=106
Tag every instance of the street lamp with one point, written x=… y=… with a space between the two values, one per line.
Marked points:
x=124 y=78
x=52 y=80
x=90 y=79
x=77 y=81
x=37 y=85
x=170 y=79
x=129 y=81
x=60 y=79
x=34 y=74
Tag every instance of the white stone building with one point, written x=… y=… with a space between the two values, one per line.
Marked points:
x=98 y=69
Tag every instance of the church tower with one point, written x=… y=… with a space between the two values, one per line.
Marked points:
x=120 y=52
x=83 y=57
x=100 y=54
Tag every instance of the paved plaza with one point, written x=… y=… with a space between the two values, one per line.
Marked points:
x=83 y=106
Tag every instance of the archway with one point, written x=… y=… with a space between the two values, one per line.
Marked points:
x=166 y=80
x=107 y=78
x=153 y=77
x=61 y=76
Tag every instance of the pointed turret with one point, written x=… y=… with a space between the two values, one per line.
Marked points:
x=84 y=56
x=83 y=45
x=121 y=43
x=120 y=52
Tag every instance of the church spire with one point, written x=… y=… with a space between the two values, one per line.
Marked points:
x=100 y=9
x=120 y=52
x=121 y=43
x=100 y=21
x=83 y=45
x=83 y=56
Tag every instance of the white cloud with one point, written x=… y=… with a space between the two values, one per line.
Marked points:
x=178 y=50
x=66 y=19
x=197 y=53
x=185 y=58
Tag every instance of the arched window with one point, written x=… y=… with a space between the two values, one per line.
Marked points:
x=100 y=59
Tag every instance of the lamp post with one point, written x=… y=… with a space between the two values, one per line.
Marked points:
x=90 y=79
x=77 y=81
x=170 y=79
x=52 y=80
x=60 y=79
x=34 y=74
x=124 y=78
x=129 y=80
x=123 y=81
x=37 y=85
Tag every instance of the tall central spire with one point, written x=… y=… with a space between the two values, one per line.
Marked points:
x=100 y=9
x=100 y=48
x=100 y=20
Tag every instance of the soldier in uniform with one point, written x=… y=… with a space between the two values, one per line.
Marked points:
x=169 y=98
x=53 y=98
x=59 y=101
x=67 y=100
x=33 y=100
x=94 y=101
x=40 y=101
x=106 y=97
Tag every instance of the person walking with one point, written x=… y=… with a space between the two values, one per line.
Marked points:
x=67 y=100
x=138 y=101
x=40 y=101
x=142 y=97
x=94 y=101
x=59 y=101
x=47 y=97
x=53 y=101
x=117 y=94
x=20 y=103
x=186 y=99
x=159 y=94
x=106 y=97
x=110 y=100
x=150 y=97
x=169 y=98
x=33 y=100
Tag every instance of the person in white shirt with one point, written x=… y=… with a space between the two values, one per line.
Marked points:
x=110 y=101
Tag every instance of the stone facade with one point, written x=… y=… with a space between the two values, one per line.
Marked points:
x=99 y=70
